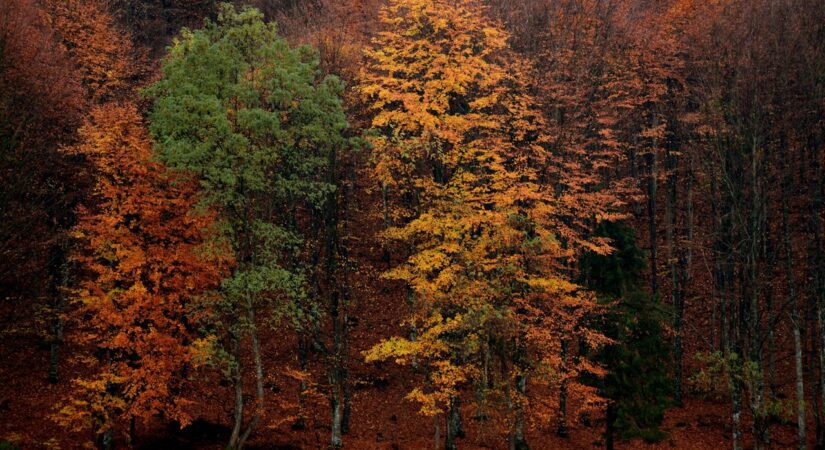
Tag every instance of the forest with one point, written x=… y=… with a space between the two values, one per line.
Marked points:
x=412 y=224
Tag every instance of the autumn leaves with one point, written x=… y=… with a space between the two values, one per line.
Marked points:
x=139 y=244
x=458 y=148
x=233 y=220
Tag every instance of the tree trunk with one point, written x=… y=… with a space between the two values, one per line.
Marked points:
x=561 y=426
x=303 y=359
x=336 y=441
x=437 y=431
x=736 y=400
x=517 y=439
x=132 y=432
x=795 y=323
x=675 y=278
x=106 y=440
x=237 y=380
x=759 y=423
x=453 y=424
x=60 y=283
x=386 y=208
x=651 y=210
x=413 y=329
x=820 y=312
x=819 y=281
x=610 y=423
x=259 y=378
x=483 y=383
x=719 y=289
x=338 y=300
x=336 y=374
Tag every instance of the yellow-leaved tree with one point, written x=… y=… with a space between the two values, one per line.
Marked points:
x=473 y=192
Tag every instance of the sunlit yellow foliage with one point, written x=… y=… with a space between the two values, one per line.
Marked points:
x=454 y=131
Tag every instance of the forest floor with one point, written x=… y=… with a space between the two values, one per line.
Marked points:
x=381 y=417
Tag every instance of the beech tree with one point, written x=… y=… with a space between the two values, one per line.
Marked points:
x=455 y=136
x=109 y=63
x=142 y=270
x=258 y=124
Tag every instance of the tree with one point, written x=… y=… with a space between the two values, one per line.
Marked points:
x=457 y=141
x=637 y=385
x=108 y=61
x=258 y=124
x=142 y=270
x=41 y=104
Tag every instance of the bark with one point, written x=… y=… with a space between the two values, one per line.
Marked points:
x=675 y=280
x=437 y=431
x=106 y=440
x=456 y=424
x=517 y=439
x=132 y=432
x=561 y=425
x=483 y=384
x=386 y=208
x=686 y=263
x=345 y=420
x=771 y=321
x=60 y=282
x=237 y=380
x=259 y=380
x=634 y=174
x=759 y=423
x=303 y=359
x=736 y=415
x=413 y=328
x=453 y=424
x=651 y=209
x=336 y=398
x=610 y=422
x=337 y=374
x=795 y=323
x=820 y=313
x=347 y=296
x=819 y=282
x=336 y=441
x=718 y=272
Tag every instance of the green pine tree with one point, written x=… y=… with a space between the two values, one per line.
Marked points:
x=637 y=385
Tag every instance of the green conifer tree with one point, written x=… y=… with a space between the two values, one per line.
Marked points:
x=637 y=384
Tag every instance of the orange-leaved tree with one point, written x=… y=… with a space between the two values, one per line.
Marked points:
x=144 y=266
x=142 y=251
x=109 y=62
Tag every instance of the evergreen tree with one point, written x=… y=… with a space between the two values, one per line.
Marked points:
x=637 y=384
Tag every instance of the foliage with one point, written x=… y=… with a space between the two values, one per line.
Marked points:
x=253 y=119
x=713 y=377
x=143 y=269
x=41 y=105
x=454 y=134
x=637 y=384
x=109 y=63
x=261 y=128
